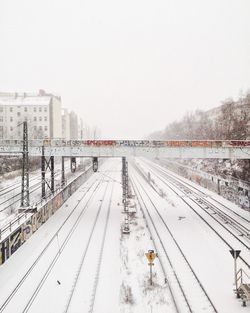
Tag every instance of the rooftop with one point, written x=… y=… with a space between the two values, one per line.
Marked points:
x=24 y=98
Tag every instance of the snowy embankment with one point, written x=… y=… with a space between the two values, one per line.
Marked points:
x=207 y=253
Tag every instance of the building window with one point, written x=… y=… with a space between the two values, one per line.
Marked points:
x=45 y=109
x=11 y=129
x=34 y=127
x=11 y=119
x=34 y=109
x=25 y=109
x=1 y=128
x=45 y=118
x=40 y=118
x=1 y=109
x=34 y=118
x=11 y=109
x=40 y=127
x=40 y=109
x=45 y=128
x=18 y=114
x=1 y=118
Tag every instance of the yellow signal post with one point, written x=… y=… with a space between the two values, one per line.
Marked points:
x=151 y=255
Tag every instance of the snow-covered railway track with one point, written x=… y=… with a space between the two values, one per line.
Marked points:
x=14 y=186
x=211 y=200
x=237 y=232
x=33 y=176
x=186 y=288
x=99 y=227
x=15 y=218
x=29 y=285
x=201 y=198
x=14 y=199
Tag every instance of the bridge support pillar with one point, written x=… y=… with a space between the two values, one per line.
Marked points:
x=63 y=173
x=47 y=164
x=73 y=164
x=95 y=164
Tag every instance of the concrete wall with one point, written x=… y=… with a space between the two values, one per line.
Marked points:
x=231 y=190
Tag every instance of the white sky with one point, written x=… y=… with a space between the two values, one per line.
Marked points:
x=129 y=67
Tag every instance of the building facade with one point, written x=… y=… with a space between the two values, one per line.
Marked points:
x=65 y=124
x=41 y=111
x=73 y=125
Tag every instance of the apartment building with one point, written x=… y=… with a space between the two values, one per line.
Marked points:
x=40 y=110
x=65 y=124
x=73 y=125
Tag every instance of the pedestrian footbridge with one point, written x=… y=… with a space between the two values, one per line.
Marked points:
x=212 y=149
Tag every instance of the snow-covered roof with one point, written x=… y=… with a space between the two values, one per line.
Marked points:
x=25 y=100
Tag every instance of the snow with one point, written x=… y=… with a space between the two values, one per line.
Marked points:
x=91 y=266
x=208 y=255
x=65 y=267
x=11 y=198
x=137 y=295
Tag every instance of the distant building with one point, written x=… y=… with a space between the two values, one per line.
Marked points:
x=80 y=129
x=65 y=124
x=40 y=110
x=73 y=125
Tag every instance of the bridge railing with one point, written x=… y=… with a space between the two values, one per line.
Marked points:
x=129 y=143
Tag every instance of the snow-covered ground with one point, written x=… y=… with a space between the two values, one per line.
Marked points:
x=10 y=191
x=207 y=253
x=80 y=261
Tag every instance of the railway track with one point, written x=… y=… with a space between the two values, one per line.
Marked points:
x=11 y=220
x=191 y=198
x=185 y=285
x=33 y=176
x=91 y=191
x=192 y=187
x=242 y=227
x=99 y=247
x=33 y=188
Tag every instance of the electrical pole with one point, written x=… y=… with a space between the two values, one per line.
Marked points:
x=47 y=163
x=63 y=173
x=25 y=196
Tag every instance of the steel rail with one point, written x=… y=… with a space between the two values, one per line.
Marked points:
x=25 y=276
x=178 y=247
x=217 y=233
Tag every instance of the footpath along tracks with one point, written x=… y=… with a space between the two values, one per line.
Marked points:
x=30 y=290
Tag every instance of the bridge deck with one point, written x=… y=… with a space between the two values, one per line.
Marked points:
x=118 y=148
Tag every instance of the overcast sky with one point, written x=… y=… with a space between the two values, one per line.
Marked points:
x=129 y=67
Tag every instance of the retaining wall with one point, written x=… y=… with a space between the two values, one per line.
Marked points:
x=235 y=191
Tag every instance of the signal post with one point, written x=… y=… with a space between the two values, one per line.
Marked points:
x=151 y=255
